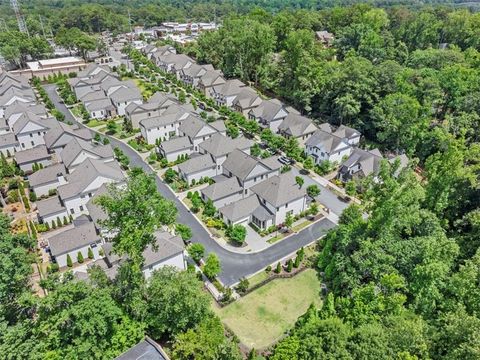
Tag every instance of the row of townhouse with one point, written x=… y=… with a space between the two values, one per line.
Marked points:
x=322 y=143
x=102 y=93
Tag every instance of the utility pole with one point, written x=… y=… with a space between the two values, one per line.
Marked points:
x=41 y=25
x=22 y=26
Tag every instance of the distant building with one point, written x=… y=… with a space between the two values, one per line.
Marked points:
x=44 y=68
x=146 y=349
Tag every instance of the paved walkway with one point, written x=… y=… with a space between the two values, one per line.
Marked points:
x=234 y=265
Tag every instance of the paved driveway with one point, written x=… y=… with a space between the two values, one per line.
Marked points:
x=234 y=265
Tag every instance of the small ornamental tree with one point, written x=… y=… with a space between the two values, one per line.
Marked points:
x=184 y=231
x=237 y=233
x=297 y=261
x=54 y=224
x=69 y=261
x=90 y=253
x=170 y=176
x=212 y=266
x=351 y=188
x=288 y=221
x=65 y=220
x=80 y=257
x=47 y=226
x=289 y=265
x=209 y=208
x=309 y=163
x=278 y=269
x=196 y=251
x=243 y=285
x=299 y=180
x=313 y=190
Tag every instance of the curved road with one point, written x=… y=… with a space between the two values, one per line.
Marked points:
x=234 y=265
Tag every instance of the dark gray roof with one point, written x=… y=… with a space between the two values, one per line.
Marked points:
x=219 y=145
x=247 y=98
x=22 y=94
x=193 y=125
x=268 y=110
x=53 y=136
x=47 y=175
x=211 y=78
x=196 y=164
x=230 y=87
x=222 y=189
x=90 y=169
x=50 y=206
x=176 y=144
x=28 y=117
x=368 y=160
x=72 y=239
x=346 y=132
x=279 y=190
x=32 y=155
x=241 y=164
x=17 y=108
x=218 y=125
x=145 y=350
x=76 y=146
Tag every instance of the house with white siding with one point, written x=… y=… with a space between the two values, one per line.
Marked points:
x=198 y=130
x=225 y=94
x=78 y=150
x=70 y=242
x=30 y=129
x=175 y=147
x=269 y=114
x=196 y=168
x=47 y=179
x=14 y=95
x=155 y=106
x=26 y=159
x=59 y=136
x=124 y=96
x=325 y=146
x=164 y=126
x=209 y=80
x=9 y=144
x=298 y=127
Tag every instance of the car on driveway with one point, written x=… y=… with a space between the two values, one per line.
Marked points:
x=286 y=161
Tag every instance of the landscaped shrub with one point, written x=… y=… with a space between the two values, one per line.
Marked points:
x=69 y=261
x=196 y=251
x=243 y=285
x=278 y=269
x=90 y=253
x=32 y=196
x=212 y=266
x=54 y=224
x=65 y=221
x=236 y=233
x=80 y=257
x=184 y=231
x=289 y=265
x=268 y=268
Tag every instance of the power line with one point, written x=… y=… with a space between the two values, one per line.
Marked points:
x=22 y=26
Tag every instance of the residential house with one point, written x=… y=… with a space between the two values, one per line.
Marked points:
x=100 y=108
x=26 y=159
x=209 y=80
x=146 y=349
x=197 y=130
x=248 y=169
x=8 y=144
x=47 y=179
x=59 y=136
x=174 y=148
x=165 y=126
x=220 y=146
x=325 y=146
x=160 y=52
x=79 y=189
x=123 y=96
x=93 y=69
x=51 y=209
x=30 y=129
x=325 y=37
x=225 y=94
x=73 y=241
x=223 y=192
x=155 y=106
x=78 y=150
x=15 y=110
x=246 y=100
x=4 y=128
x=82 y=86
x=173 y=63
x=196 y=168
x=168 y=251
x=17 y=96
x=297 y=126
x=351 y=135
x=269 y=114
x=272 y=200
x=192 y=74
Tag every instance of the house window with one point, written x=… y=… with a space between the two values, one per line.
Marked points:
x=39 y=133
x=286 y=205
x=31 y=135
x=72 y=211
x=81 y=207
x=33 y=144
x=23 y=145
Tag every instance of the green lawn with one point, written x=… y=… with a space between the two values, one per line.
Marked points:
x=262 y=317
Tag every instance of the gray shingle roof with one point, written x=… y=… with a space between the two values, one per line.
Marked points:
x=241 y=164
x=230 y=87
x=218 y=125
x=196 y=164
x=176 y=144
x=22 y=94
x=125 y=94
x=72 y=239
x=166 y=246
x=32 y=155
x=279 y=190
x=211 y=78
x=99 y=104
x=8 y=140
x=17 y=108
x=346 y=132
x=369 y=161
x=47 y=175
x=219 y=145
x=95 y=211
x=90 y=170
x=222 y=189
x=27 y=118
x=325 y=140
x=297 y=125
x=267 y=110
x=247 y=98
x=162 y=120
x=193 y=125
x=50 y=206
x=77 y=146
x=240 y=209
x=54 y=135
x=145 y=350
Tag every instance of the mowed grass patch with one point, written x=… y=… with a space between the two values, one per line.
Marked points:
x=261 y=317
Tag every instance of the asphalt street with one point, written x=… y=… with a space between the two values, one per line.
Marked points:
x=234 y=265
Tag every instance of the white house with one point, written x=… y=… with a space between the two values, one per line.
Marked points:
x=78 y=150
x=26 y=159
x=122 y=97
x=47 y=179
x=327 y=146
